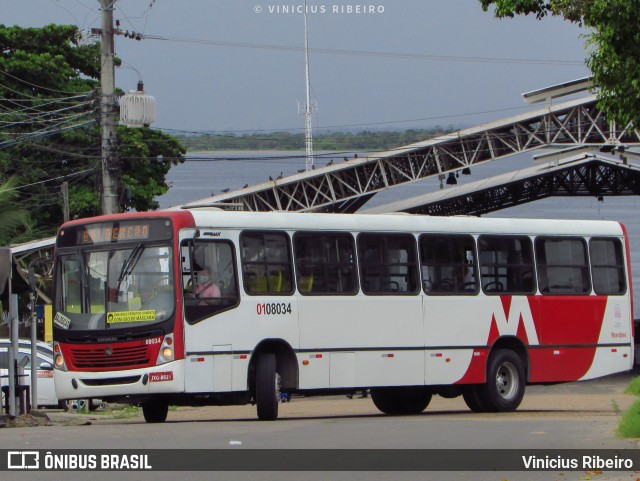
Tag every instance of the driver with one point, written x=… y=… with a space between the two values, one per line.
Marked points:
x=205 y=287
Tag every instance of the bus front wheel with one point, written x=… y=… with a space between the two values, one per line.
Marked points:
x=155 y=411
x=400 y=400
x=267 y=387
x=505 y=384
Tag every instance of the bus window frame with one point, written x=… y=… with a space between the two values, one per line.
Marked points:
x=353 y=267
x=508 y=265
x=474 y=265
x=267 y=263
x=622 y=267
x=191 y=245
x=539 y=265
x=412 y=265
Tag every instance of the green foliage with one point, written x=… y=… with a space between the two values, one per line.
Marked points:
x=511 y=8
x=13 y=221
x=49 y=103
x=147 y=155
x=615 y=57
x=633 y=387
x=629 y=426
x=332 y=141
x=613 y=45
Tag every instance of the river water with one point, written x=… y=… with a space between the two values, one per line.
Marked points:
x=215 y=171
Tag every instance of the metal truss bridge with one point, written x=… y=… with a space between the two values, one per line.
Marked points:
x=347 y=186
x=590 y=175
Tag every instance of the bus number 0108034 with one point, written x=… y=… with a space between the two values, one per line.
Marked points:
x=273 y=308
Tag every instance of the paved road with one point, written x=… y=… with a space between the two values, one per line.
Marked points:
x=577 y=415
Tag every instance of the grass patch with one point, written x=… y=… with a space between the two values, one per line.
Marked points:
x=121 y=411
x=633 y=387
x=615 y=406
x=629 y=426
x=126 y=412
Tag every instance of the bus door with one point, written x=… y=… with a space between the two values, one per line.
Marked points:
x=210 y=298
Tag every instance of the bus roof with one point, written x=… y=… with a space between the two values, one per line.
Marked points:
x=217 y=219
x=212 y=218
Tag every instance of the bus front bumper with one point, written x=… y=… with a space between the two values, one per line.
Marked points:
x=164 y=379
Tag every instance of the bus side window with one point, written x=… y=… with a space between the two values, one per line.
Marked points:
x=506 y=264
x=325 y=263
x=210 y=283
x=448 y=264
x=388 y=263
x=563 y=265
x=607 y=266
x=266 y=263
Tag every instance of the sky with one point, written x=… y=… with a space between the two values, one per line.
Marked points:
x=238 y=65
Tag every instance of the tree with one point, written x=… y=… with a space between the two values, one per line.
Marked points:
x=613 y=45
x=49 y=100
x=13 y=221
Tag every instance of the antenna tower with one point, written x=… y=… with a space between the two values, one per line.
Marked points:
x=308 y=107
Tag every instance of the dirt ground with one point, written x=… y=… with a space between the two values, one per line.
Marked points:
x=601 y=396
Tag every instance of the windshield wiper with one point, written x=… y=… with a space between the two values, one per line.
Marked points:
x=129 y=264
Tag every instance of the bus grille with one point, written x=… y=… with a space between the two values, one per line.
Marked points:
x=129 y=356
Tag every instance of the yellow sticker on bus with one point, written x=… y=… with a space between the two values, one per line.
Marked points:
x=131 y=316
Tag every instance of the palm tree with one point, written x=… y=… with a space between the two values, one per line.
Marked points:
x=15 y=221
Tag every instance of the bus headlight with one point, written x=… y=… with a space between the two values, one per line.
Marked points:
x=58 y=359
x=166 y=350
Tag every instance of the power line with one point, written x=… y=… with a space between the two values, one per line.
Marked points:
x=43 y=133
x=66 y=176
x=39 y=118
x=338 y=126
x=365 y=53
x=39 y=86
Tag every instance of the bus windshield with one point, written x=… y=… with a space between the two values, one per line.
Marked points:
x=114 y=288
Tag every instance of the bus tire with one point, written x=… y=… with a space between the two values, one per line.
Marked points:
x=267 y=387
x=155 y=411
x=473 y=398
x=504 y=389
x=400 y=400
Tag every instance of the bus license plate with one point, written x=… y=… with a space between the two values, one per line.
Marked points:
x=161 y=376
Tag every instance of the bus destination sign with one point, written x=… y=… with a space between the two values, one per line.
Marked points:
x=115 y=232
x=99 y=234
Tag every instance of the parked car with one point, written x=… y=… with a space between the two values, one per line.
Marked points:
x=46 y=388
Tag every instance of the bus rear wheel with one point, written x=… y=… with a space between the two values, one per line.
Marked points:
x=267 y=387
x=473 y=398
x=155 y=411
x=504 y=389
x=400 y=400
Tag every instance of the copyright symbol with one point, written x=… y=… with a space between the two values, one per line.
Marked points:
x=257 y=9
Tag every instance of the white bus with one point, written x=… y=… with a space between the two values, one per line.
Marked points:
x=203 y=306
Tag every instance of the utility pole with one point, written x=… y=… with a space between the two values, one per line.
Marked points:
x=110 y=165
x=65 y=201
